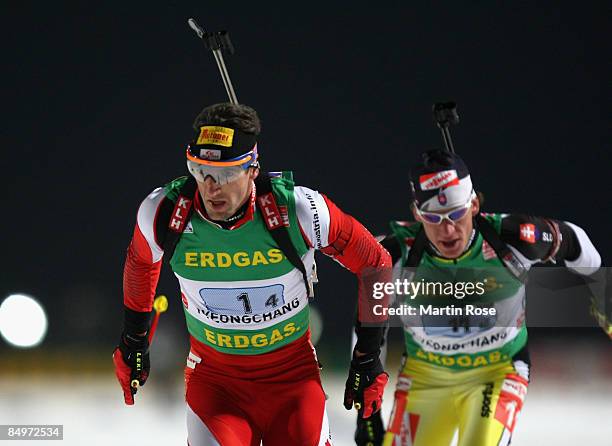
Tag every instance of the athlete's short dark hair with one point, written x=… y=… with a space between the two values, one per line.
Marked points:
x=437 y=158
x=237 y=116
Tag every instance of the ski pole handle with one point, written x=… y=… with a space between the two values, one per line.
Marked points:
x=216 y=42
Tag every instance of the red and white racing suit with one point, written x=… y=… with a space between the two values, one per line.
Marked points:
x=275 y=397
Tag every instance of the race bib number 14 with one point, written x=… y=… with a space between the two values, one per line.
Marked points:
x=239 y=301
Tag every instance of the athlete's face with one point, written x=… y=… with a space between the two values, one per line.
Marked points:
x=222 y=201
x=451 y=238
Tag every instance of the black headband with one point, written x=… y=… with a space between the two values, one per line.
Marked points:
x=219 y=143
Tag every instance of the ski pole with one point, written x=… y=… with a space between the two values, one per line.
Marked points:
x=217 y=42
x=445 y=114
x=160 y=305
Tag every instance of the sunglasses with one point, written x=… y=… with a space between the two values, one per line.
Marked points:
x=220 y=175
x=452 y=216
x=222 y=172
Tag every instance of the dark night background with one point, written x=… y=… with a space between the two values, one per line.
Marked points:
x=99 y=98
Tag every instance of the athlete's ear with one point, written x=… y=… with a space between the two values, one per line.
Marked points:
x=475 y=206
x=254 y=173
x=416 y=216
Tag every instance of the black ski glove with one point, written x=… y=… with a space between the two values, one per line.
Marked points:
x=365 y=384
x=132 y=364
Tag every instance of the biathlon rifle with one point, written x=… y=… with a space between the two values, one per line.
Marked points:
x=217 y=42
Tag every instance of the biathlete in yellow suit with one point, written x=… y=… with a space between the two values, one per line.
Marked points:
x=465 y=372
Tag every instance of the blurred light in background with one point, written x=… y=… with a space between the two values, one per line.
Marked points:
x=316 y=325
x=23 y=322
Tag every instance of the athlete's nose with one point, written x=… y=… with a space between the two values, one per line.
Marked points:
x=212 y=187
x=447 y=228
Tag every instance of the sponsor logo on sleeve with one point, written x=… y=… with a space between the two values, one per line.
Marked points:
x=220 y=136
x=546 y=237
x=446 y=178
x=527 y=232
x=316 y=221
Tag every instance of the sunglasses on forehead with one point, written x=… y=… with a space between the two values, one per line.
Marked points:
x=453 y=216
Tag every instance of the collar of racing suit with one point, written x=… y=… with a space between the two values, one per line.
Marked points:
x=433 y=250
x=243 y=215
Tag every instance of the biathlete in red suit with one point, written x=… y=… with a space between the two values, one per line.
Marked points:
x=252 y=374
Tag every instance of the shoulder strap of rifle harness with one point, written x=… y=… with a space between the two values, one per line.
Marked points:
x=173 y=217
x=274 y=223
x=510 y=260
x=416 y=250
